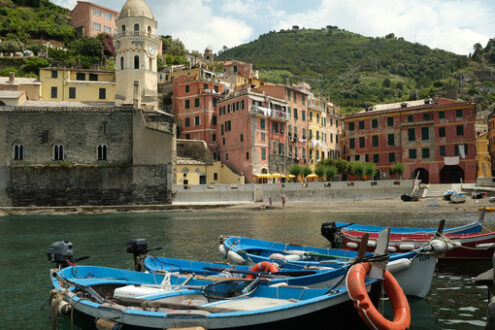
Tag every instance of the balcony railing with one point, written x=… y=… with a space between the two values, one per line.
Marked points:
x=273 y=113
x=138 y=34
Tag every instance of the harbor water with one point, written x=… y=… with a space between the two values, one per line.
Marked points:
x=454 y=301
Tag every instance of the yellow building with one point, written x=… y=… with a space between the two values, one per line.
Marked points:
x=483 y=158
x=190 y=172
x=316 y=109
x=64 y=84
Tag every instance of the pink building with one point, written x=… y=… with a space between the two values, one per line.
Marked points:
x=252 y=134
x=90 y=19
x=297 y=112
x=195 y=101
x=238 y=67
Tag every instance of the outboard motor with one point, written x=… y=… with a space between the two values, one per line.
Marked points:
x=60 y=253
x=139 y=248
x=331 y=232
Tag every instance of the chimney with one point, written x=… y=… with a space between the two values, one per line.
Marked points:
x=11 y=77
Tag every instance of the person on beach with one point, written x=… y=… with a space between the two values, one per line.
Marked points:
x=283 y=200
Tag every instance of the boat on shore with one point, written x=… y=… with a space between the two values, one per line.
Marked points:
x=409 y=198
x=448 y=193
x=413 y=270
x=458 y=198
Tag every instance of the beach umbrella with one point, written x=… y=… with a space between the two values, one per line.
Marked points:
x=311 y=176
x=276 y=175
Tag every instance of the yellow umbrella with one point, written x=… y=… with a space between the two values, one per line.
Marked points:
x=264 y=176
x=312 y=176
x=291 y=176
x=276 y=175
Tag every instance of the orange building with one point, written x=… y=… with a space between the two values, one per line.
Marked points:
x=434 y=139
x=194 y=103
x=491 y=139
x=90 y=19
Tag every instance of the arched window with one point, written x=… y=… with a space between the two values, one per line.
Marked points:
x=58 y=152
x=123 y=28
x=122 y=63
x=136 y=62
x=18 y=152
x=102 y=152
x=149 y=29
x=136 y=29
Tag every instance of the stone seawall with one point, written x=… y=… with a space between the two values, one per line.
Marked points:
x=312 y=191
x=64 y=186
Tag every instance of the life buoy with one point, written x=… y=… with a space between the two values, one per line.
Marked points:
x=367 y=311
x=264 y=266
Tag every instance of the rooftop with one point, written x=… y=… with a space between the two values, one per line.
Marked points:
x=136 y=8
x=116 y=13
x=10 y=94
x=20 y=81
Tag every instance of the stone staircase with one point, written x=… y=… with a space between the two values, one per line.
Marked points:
x=437 y=190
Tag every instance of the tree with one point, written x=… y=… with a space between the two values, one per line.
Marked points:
x=87 y=46
x=33 y=65
x=357 y=168
x=370 y=170
x=330 y=172
x=478 y=51
x=306 y=170
x=10 y=46
x=398 y=169
x=320 y=171
x=343 y=166
x=296 y=170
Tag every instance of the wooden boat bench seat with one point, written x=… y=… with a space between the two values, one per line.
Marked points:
x=249 y=303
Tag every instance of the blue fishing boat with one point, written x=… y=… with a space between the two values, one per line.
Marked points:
x=413 y=270
x=129 y=299
x=318 y=277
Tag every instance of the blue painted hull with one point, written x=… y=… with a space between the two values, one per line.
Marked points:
x=415 y=279
x=474 y=227
x=189 y=305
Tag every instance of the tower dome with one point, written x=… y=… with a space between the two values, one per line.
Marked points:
x=136 y=8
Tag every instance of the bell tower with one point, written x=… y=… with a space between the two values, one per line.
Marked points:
x=136 y=48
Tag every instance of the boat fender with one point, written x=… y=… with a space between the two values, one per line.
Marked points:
x=457 y=244
x=223 y=252
x=398 y=265
x=439 y=246
x=64 y=308
x=370 y=315
x=485 y=245
x=279 y=284
x=406 y=246
x=450 y=246
x=371 y=243
x=294 y=257
x=236 y=258
x=352 y=245
x=391 y=249
x=277 y=256
x=104 y=324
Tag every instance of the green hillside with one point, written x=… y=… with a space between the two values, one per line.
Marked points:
x=352 y=70
x=34 y=19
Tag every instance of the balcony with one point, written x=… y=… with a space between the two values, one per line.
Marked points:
x=137 y=34
x=271 y=113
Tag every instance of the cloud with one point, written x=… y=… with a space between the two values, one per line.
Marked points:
x=452 y=25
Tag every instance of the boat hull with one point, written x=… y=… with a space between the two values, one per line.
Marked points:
x=266 y=307
x=412 y=284
x=472 y=246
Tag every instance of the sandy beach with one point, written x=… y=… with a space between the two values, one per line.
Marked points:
x=428 y=206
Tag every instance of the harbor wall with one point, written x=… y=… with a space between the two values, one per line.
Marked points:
x=311 y=191
x=63 y=186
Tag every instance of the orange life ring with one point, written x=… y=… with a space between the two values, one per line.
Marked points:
x=365 y=308
x=264 y=266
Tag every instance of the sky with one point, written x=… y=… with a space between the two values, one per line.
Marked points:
x=453 y=25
